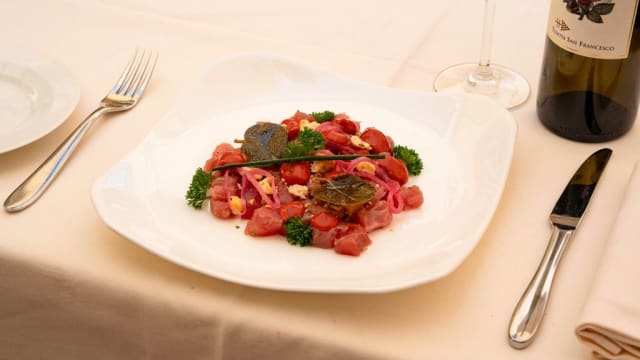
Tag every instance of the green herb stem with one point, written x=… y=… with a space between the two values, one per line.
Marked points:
x=263 y=163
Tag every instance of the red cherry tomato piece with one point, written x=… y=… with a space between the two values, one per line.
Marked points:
x=346 y=125
x=221 y=149
x=293 y=128
x=336 y=137
x=232 y=157
x=210 y=164
x=395 y=168
x=296 y=173
x=378 y=141
x=216 y=154
x=324 y=221
x=299 y=115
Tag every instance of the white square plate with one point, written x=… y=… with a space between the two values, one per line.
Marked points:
x=466 y=144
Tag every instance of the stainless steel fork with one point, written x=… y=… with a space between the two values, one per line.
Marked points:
x=123 y=96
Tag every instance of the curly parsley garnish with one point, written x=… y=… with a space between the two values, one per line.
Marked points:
x=200 y=184
x=324 y=116
x=298 y=232
x=307 y=142
x=410 y=157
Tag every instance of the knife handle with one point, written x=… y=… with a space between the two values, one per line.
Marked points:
x=529 y=312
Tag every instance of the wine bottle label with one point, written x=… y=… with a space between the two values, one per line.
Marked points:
x=598 y=29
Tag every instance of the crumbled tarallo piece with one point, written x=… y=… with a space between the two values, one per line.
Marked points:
x=300 y=191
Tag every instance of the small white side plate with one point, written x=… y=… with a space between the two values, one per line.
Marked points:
x=466 y=144
x=37 y=94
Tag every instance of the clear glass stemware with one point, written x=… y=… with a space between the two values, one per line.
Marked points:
x=500 y=83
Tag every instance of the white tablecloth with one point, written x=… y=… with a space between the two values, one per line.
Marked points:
x=70 y=288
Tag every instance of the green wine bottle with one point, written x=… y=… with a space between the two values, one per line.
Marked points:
x=590 y=79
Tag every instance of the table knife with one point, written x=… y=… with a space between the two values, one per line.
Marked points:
x=565 y=217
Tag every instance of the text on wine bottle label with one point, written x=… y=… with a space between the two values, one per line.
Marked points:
x=598 y=29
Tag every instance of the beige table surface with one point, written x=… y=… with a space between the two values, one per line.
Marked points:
x=70 y=288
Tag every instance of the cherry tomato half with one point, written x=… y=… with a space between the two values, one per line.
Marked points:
x=293 y=128
x=220 y=150
x=396 y=169
x=210 y=164
x=346 y=125
x=378 y=141
x=296 y=173
x=232 y=157
x=299 y=115
x=336 y=137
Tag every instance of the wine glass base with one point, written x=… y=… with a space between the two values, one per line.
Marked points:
x=503 y=85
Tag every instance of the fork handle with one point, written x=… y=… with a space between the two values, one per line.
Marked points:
x=34 y=186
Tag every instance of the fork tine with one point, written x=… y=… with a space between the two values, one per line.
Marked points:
x=125 y=73
x=147 y=72
x=140 y=73
x=129 y=81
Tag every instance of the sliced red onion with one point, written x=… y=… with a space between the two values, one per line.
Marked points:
x=354 y=163
x=249 y=175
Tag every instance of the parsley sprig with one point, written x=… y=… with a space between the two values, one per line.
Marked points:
x=298 y=232
x=198 y=189
x=307 y=142
x=324 y=116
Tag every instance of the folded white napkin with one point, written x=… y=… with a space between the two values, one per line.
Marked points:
x=610 y=323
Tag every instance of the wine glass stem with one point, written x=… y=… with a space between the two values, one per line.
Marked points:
x=483 y=71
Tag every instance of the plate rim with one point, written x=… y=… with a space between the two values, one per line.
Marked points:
x=64 y=74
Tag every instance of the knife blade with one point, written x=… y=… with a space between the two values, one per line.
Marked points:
x=565 y=218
